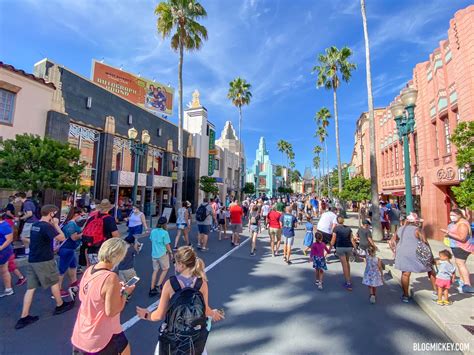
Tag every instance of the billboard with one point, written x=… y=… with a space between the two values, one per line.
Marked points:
x=148 y=94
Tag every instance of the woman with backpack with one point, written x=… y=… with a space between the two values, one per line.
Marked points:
x=186 y=292
x=408 y=258
x=254 y=228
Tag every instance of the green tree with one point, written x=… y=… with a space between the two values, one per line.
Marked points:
x=322 y=133
x=208 y=185
x=282 y=147
x=356 y=189
x=295 y=176
x=249 y=188
x=182 y=17
x=334 y=63
x=377 y=227
x=240 y=95
x=463 y=138
x=33 y=163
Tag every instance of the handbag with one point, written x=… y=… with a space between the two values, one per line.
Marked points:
x=424 y=254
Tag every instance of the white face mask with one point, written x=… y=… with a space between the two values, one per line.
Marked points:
x=453 y=218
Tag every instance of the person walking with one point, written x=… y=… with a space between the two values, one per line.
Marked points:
x=362 y=213
x=236 y=215
x=67 y=251
x=204 y=218
x=373 y=274
x=308 y=238
x=406 y=259
x=344 y=242
x=6 y=251
x=326 y=224
x=459 y=238
x=265 y=211
x=317 y=256
x=27 y=217
x=41 y=269
x=254 y=226
x=182 y=225
x=190 y=274
x=160 y=252
x=394 y=218
x=222 y=222
x=274 y=230
x=136 y=222
x=288 y=224
x=97 y=329
x=364 y=236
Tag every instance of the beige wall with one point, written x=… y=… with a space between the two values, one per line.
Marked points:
x=32 y=102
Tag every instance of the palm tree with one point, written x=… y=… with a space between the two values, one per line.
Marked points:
x=322 y=134
x=377 y=231
x=240 y=95
x=181 y=16
x=282 y=146
x=317 y=150
x=332 y=64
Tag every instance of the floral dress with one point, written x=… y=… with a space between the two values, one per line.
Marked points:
x=372 y=274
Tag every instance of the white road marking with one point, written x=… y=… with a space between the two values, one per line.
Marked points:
x=132 y=321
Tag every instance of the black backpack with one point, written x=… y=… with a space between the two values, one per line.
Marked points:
x=201 y=213
x=184 y=330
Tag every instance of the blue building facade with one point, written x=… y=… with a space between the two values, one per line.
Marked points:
x=262 y=173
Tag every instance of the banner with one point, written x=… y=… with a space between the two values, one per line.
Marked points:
x=150 y=95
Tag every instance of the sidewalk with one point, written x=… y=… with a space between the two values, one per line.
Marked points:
x=457 y=320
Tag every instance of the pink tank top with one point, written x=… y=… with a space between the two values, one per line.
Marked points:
x=93 y=328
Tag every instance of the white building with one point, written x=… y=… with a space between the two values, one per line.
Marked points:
x=217 y=158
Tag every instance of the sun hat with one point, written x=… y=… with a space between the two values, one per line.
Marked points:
x=413 y=218
x=105 y=205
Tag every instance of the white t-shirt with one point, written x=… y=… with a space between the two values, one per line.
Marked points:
x=265 y=210
x=327 y=220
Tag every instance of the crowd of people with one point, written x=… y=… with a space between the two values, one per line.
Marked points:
x=93 y=242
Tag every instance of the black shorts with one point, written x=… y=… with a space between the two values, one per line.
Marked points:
x=116 y=345
x=222 y=222
x=326 y=237
x=460 y=253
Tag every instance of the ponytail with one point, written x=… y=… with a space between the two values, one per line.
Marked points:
x=198 y=269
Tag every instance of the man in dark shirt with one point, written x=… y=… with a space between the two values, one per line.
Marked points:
x=28 y=216
x=110 y=229
x=10 y=208
x=42 y=270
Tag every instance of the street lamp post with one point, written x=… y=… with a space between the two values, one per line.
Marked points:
x=138 y=149
x=404 y=116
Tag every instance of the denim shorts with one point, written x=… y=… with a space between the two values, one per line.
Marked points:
x=132 y=231
x=67 y=260
x=204 y=228
x=181 y=225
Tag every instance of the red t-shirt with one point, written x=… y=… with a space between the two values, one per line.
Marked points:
x=236 y=213
x=274 y=219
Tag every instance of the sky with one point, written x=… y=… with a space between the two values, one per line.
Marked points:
x=273 y=44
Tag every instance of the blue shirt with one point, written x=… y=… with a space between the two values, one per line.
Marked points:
x=314 y=202
x=159 y=238
x=29 y=206
x=69 y=229
x=445 y=270
x=288 y=222
x=5 y=230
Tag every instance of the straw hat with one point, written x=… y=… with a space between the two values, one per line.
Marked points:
x=413 y=218
x=105 y=205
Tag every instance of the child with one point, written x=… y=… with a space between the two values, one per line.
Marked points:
x=160 y=251
x=12 y=268
x=308 y=238
x=221 y=220
x=318 y=259
x=126 y=267
x=445 y=276
x=373 y=274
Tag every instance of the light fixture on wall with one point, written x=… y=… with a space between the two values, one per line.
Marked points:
x=159 y=132
x=130 y=119
x=89 y=102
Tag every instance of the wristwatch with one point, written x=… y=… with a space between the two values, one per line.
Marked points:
x=146 y=315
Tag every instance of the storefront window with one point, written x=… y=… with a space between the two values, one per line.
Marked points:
x=87 y=141
x=154 y=161
x=122 y=158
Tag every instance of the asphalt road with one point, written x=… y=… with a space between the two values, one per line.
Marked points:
x=271 y=308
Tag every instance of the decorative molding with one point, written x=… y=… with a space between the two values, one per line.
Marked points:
x=54 y=76
x=121 y=143
x=446 y=174
x=83 y=132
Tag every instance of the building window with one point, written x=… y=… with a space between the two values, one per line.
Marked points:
x=447 y=136
x=216 y=164
x=154 y=162
x=207 y=130
x=436 y=139
x=7 y=103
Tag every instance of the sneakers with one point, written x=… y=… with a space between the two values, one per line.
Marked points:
x=316 y=282
x=65 y=293
x=140 y=247
x=154 y=292
x=348 y=286
x=23 y=322
x=405 y=299
x=21 y=282
x=199 y=247
x=252 y=253
x=440 y=303
x=372 y=299
x=447 y=303
x=434 y=296
x=289 y=262
x=320 y=286
x=7 y=292
x=204 y=249
x=66 y=306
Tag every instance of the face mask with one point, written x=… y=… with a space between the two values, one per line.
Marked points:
x=453 y=218
x=92 y=206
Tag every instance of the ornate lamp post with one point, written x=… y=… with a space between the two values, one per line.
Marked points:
x=138 y=149
x=404 y=115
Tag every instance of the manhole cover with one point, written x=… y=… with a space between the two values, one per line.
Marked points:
x=470 y=328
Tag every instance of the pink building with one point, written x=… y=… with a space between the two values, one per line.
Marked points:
x=445 y=85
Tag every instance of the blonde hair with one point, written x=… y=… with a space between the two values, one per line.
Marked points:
x=187 y=257
x=371 y=251
x=113 y=251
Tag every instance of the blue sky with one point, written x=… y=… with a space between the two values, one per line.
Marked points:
x=271 y=43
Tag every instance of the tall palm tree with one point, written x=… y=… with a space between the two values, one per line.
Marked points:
x=240 y=95
x=281 y=146
x=322 y=133
x=317 y=150
x=335 y=63
x=181 y=16
x=377 y=228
